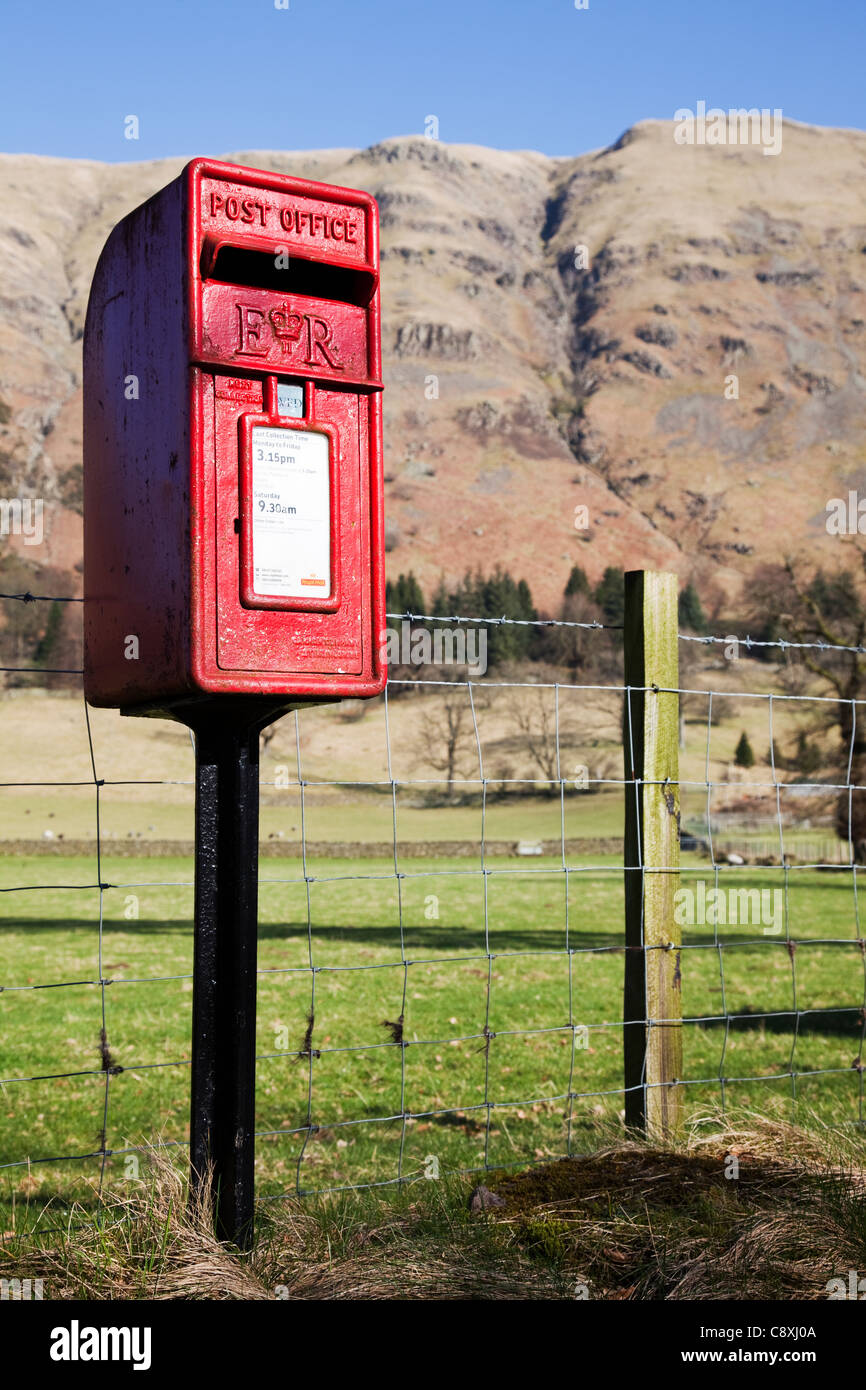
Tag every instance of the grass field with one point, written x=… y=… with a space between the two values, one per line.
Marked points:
x=146 y=765
x=459 y=1018
x=427 y=948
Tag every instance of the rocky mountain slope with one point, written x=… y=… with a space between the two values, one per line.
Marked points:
x=559 y=334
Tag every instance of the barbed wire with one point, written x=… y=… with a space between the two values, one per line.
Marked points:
x=782 y=642
x=27 y=597
x=748 y=642
x=504 y=620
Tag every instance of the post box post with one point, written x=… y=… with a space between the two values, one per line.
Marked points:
x=233 y=537
x=222 y=1090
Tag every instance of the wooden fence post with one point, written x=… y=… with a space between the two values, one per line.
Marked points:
x=653 y=1043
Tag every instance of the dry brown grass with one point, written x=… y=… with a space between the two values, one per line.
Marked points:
x=632 y=1221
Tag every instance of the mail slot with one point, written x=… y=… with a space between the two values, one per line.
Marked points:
x=233 y=493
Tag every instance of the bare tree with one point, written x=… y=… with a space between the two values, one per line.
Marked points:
x=448 y=735
x=830 y=608
x=576 y=647
x=543 y=729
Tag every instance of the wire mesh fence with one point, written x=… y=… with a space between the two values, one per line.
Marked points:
x=442 y=943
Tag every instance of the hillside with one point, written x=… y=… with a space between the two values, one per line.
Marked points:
x=558 y=386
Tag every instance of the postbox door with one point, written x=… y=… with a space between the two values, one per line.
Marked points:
x=285 y=630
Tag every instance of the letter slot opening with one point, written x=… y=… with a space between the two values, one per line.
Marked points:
x=258 y=269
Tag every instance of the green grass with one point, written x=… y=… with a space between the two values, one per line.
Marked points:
x=454 y=955
x=633 y=1221
x=352 y=816
x=353 y=762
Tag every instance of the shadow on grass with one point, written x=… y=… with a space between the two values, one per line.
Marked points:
x=424 y=936
x=847 y=1020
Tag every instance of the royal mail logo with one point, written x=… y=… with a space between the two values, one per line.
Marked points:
x=307 y=336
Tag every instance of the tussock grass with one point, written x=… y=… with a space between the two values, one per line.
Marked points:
x=635 y=1220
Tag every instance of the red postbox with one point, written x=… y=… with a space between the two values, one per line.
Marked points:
x=233 y=493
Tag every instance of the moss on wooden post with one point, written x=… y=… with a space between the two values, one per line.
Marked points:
x=653 y=996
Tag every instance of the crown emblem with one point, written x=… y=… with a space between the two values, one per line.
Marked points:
x=286 y=325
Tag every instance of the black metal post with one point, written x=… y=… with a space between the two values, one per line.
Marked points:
x=222 y=1102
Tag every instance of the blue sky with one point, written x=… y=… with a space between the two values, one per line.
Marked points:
x=212 y=76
